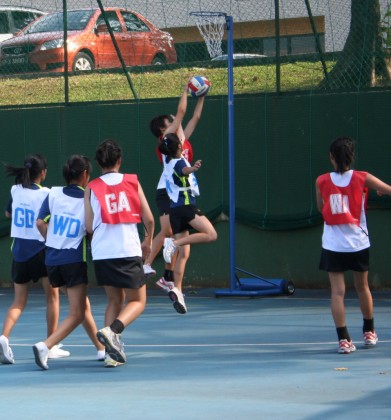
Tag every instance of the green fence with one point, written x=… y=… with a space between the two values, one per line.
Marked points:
x=281 y=146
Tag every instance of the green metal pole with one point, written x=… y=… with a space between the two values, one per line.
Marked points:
x=278 y=47
x=317 y=40
x=66 y=74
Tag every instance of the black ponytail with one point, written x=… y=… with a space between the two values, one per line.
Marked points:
x=342 y=149
x=74 y=168
x=33 y=165
x=169 y=145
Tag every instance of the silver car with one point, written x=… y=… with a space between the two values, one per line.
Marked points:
x=15 y=18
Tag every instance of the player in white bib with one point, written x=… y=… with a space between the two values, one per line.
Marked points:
x=182 y=188
x=28 y=251
x=61 y=222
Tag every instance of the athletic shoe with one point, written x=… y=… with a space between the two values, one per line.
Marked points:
x=179 y=301
x=111 y=363
x=346 y=347
x=100 y=356
x=148 y=270
x=168 y=250
x=56 y=352
x=165 y=285
x=6 y=355
x=370 y=338
x=41 y=353
x=113 y=344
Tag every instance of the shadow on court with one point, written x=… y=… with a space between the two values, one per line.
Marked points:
x=228 y=358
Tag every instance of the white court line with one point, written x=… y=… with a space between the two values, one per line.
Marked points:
x=208 y=345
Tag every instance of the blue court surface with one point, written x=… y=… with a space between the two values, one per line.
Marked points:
x=227 y=358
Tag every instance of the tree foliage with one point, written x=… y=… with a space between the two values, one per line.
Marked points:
x=363 y=61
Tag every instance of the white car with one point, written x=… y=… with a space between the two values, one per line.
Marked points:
x=15 y=18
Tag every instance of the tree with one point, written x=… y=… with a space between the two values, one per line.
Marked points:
x=363 y=61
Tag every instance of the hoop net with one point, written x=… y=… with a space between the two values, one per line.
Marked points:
x=211 y=27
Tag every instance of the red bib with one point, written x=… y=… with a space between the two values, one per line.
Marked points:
x=342 y=205
x=120 y=203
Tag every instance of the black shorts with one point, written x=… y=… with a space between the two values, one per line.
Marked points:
x=338 y=262
x=68 y=275
x=162 y=201
x=181 y=216
x=33 y=269
x=123 y=273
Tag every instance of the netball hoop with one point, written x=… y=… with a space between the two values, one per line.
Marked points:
x=211 y=26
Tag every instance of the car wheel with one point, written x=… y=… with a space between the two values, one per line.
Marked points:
x=83 y=62
x=158 y=60
x=289 y=288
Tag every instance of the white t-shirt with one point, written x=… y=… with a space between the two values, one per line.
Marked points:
x=349 y=237
x=112 y=241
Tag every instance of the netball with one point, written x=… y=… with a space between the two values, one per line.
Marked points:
x=199 y=86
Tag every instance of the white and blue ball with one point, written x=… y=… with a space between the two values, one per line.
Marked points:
x=199 y=86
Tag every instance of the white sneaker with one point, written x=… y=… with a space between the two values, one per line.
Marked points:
x=168 y=250
x=56 y=352
x=6 y=355
x=179 y=301
x=111 y=363
x=346 y=347
x=165 y=285
x=41 y=353
x=148 y=270
x=370 y=338
x=113 y=344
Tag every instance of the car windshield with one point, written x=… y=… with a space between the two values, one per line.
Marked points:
x=77 y=21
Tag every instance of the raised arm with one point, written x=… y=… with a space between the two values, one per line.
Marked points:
x=192 y=124
x=181 y=111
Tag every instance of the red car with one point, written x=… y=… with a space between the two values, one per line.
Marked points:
x=40 y=46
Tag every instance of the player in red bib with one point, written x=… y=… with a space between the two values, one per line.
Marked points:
x=114 y=204
x=341 y=198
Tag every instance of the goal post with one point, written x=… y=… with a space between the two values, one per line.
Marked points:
x=211 y=26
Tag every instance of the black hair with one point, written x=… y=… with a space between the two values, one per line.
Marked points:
x=169 y=145
x=108 y=153
x=342 y=150
x=158 y=123
x=33 y=165
x=74 y=168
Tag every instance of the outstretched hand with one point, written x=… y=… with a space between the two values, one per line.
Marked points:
x=197 y=165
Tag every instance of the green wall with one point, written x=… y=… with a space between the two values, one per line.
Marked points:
x=281 y=146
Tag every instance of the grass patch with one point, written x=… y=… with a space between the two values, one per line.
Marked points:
x=114 y=86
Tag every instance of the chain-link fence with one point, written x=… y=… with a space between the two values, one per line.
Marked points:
x=121 y=50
